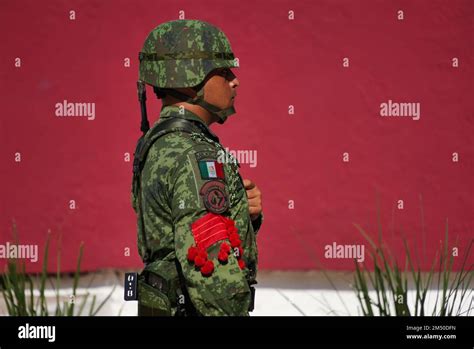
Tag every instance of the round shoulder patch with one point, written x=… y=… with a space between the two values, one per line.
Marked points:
x=215 y=197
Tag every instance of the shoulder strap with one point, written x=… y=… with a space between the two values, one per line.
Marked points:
x=174 y=124
x=143 y=146
x=141 y=151
x=165 y=127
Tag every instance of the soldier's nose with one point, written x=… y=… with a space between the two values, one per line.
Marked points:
x=235 y=83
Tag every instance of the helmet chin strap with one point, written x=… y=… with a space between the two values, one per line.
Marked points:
x=222 y=114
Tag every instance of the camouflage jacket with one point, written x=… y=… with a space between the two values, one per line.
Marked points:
x=195 y=209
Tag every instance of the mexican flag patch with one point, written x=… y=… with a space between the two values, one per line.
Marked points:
x=211 y=169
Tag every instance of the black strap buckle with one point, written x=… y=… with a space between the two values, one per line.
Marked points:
x=157 y=282
x=252 y=298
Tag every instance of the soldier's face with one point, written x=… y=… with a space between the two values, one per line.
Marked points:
x=221 y=88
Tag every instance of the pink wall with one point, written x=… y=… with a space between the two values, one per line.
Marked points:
x=299 y=157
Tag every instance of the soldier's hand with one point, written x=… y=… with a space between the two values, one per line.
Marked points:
x=254 y=198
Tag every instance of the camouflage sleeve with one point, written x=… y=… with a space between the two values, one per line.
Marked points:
x=205 y=235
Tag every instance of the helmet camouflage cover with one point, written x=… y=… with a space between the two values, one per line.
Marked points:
x=181 y=53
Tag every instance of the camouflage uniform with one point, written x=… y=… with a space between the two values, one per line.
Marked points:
x=194 y=230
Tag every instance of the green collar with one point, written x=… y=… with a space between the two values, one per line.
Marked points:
x=168 y=111
x=172 y=111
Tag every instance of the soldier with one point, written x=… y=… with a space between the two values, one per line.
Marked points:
x=197 y=219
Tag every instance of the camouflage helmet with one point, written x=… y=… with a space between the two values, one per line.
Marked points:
x=180 y=54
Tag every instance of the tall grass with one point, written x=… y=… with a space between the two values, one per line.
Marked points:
x=390 y=282
x=383 y=287
x=19 y=288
